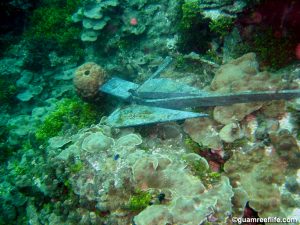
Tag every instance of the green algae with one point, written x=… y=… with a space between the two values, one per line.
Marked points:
x=221 y=26
x=52 y=29
x=139 y=201
x=192 y=21
x=69 y=112
x=75 y=168
x=52 y=21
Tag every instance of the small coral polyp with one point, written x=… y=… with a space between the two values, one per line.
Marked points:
x=87 y=79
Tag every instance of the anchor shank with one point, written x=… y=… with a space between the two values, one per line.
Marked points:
x=216 y=99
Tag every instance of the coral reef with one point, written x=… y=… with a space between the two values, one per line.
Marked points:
x=62 y=164
x=139 y=201
x=258 y=177
x=231 y=132
x=191 y=210
x=242 y=74
x=122 y=47
x=191 y=22
x=221 y=25
x=87 y=80
x=269 y=28
x=162 y=173
x=51 y=29
x=8 y=90
x=94 y=18
x=216 y=8
x=102 y=175
x=203 y=131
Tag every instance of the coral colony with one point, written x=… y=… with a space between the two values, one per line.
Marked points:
x=63 y=161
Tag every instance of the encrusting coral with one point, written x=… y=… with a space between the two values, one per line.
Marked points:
x=239 y=75
x=109 y=172
x=87 y=79
x=203 y=131
x=259 y=177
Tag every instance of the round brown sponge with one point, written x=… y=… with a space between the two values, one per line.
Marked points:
x=87 y=80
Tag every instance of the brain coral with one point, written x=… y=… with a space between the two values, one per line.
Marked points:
x=87 y=79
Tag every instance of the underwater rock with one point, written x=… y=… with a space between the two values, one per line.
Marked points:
x=295 y=104
x=87 y=80
x=169 y=131
x=234 y=113
x=134 y=21
x=66 y=75
x=120 y=21
x=231 y=132
x=61 y=90
x=230 y=74
x=204 y=132
x=89 y=35
x=215 y=3
x=56 y=60
x=67 y=153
